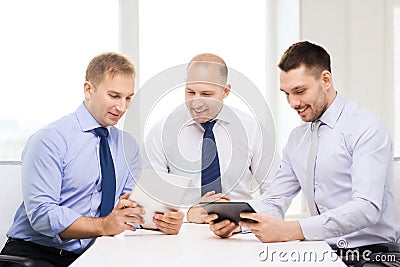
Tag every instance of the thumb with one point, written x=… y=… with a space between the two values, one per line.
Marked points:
x=125 y=196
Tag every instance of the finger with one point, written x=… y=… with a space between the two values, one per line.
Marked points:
x=167 y=224
x=125 y=196
x=207 y=197
x=251 y=215
x=221 y=196
x=131 y=227
x=226 y=231
x=126 y=203
x=251 y=226
x=167 y=219
x=132 y=211
x=174 y=214
x=210 y=193
x=226 y=198
x=210 y=217
x=134 y=219
x=215 y=197
x=197 y=209
x=219 y=225
x=169 y=230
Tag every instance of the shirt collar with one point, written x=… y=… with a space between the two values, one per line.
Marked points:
x=85 y=119
x=332 y=114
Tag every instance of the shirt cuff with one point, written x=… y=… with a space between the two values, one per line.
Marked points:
x=245 y=230
x=185 y=211
x=312 y=228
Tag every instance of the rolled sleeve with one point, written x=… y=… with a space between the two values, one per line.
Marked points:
x=59 y=219
x=41 y=185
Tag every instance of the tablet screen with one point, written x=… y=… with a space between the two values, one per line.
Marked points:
x=228 y=210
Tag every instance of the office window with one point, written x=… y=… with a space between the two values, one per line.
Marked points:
x=45 y=48
x=184 y=29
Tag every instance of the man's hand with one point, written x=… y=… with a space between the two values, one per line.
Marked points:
x=126 y=211
x=115 y=223
x=169 y=222
x=197 y=214
x=272 y=229
x=222 y=229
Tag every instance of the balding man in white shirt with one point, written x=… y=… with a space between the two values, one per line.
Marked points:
x=174 y=145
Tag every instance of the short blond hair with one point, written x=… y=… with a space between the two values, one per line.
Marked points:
x=110 y=64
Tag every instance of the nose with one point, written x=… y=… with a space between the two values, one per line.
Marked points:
x=293 y=101
x=197 y=103
x=122 y=105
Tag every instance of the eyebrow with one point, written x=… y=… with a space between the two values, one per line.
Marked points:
x=118 y=93
x=294 y=88
x=201 y=91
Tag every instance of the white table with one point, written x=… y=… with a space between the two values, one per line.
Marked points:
x=196 y=245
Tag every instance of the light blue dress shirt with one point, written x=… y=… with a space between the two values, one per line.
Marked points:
x=61 y=178
x=353 y=178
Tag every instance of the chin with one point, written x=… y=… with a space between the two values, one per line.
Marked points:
x=306 y=119
x=200 y=119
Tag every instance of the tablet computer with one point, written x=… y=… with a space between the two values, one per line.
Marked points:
x=158 y=193
x=228 y=210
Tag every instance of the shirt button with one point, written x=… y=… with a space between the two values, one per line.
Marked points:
x=95 y=191
x=93 y=214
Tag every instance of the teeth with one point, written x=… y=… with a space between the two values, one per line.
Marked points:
x=301 y=110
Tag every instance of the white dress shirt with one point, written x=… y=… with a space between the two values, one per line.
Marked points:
x=246 y=157
x=353 y=178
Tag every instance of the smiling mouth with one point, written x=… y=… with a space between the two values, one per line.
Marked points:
x=301 y=111
x=114 y=115
x=199 y=111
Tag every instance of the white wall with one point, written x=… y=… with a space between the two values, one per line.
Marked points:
x=358 y=34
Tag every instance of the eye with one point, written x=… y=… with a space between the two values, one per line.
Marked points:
x=189 y=92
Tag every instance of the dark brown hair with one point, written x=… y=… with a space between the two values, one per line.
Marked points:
x=312 y=56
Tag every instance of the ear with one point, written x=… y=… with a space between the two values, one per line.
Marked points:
x=227 y=90
x=88 y=90
x=326 y=79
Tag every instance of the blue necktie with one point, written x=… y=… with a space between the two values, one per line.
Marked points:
x=210 y=172
x=107 y=173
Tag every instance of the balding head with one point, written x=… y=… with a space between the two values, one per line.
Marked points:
x=206 y=86
x=214 y=65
